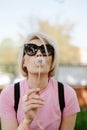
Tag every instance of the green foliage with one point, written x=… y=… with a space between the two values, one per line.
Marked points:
x=0 y=125
x=8 y=56
x=81 y=121
x=8 y=51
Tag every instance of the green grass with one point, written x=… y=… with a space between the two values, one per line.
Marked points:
x=81 y=121
x=0 y=125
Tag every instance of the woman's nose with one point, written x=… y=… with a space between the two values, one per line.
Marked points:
x=39 y=53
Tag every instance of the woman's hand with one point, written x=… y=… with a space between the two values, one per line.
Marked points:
x=31 y=102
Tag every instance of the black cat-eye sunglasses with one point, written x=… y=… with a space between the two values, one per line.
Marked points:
x=31 y=49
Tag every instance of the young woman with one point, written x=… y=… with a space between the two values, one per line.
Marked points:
x=38 y=105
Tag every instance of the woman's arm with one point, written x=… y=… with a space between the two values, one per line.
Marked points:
x=68 y=123
x=13 y=125
x=30 y=103
x=10 y=124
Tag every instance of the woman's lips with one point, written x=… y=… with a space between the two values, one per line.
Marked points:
x=40 y=61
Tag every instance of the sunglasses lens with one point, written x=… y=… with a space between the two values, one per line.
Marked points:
x=30 y=49
x=50 y=49
x=42 y=49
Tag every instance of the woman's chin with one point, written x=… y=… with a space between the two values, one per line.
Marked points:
x=42 y=72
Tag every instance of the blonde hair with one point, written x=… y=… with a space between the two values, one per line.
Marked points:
x=44 y=38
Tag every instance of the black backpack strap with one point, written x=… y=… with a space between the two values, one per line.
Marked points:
x=16 y=95
x=61 y=96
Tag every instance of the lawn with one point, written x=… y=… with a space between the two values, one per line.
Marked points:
x=81 y=122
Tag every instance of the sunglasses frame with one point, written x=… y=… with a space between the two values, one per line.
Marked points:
x=34 y=48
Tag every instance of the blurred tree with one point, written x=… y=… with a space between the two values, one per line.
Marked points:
x=8 y=51
x=61 y=34
x=8 y=56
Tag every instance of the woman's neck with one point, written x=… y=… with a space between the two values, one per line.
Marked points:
x=35 y=81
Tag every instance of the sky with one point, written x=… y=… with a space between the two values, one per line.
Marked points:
x=15 y=13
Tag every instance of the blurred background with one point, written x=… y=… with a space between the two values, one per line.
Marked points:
x=63 y=20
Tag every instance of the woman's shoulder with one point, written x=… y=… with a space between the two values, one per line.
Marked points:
x=71 y=100
x=9 y=89
x=69 y=90
x=67 y=87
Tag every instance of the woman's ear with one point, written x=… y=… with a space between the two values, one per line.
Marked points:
x=24 y=65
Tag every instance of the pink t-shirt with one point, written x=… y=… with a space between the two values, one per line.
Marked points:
x=49 y=114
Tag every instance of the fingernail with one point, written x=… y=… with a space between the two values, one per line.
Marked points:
x=25 y=98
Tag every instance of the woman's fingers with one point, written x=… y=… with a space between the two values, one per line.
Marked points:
x=32 y=100
x=30 y=107
x=35 y=96
x=33 y=90
x=25 y=97
x=35 y=99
